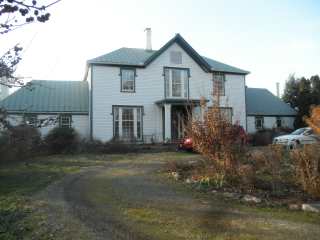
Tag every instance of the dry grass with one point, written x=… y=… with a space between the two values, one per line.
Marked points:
x=307 y=161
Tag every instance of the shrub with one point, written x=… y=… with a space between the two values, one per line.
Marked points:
x=264 y=137
x=307 y=165
x=62 y=140
x=19 y=142
x=314 y=120
x=270 y=163
x=217 y=139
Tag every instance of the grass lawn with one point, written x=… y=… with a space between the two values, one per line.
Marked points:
x=131 y=191
x=19 y=182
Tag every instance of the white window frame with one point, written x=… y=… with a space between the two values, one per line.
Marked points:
x=184 y=80
x=220 y=79
x=279 y=120
x=66 y=117
x=176 y=57
x=32 y=123
x=223 y=111
x=259 y=118
x=123 y=80
x=137 y=122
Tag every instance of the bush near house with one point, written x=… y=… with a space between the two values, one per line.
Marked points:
x=264 y=137
x=62 y=140
x=19 y=143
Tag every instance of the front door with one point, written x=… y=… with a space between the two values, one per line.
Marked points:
x=179 y=117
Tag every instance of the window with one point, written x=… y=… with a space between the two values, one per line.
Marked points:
x=65 y=121
x=219 y=84
x=175 y=57
x=226 y=113
x=176 y=82
x=259 y=122
x=127 y=79
x=127 y=122
x=31 y=120
x=279 y=122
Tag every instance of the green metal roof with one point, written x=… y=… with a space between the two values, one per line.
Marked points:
x=260 y=101
x=43 y=96
x=142 y=57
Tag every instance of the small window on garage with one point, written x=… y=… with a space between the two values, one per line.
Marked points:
x=279 y=122
x=176 y=57
x=65 y=121
x=31 y=120
x=259 y=122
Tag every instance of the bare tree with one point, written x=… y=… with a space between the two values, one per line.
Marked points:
x=13 y=15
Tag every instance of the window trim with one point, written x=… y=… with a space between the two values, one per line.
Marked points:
x=255 y=122
x=188 y=82
x=278 y=118
x=172 y=57
x=128 y=106
x=134 y=79
x=228 y=108
x=26 y=116
x=70 y=121
x=224 y=82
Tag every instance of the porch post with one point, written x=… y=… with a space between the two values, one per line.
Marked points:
x=167 y=122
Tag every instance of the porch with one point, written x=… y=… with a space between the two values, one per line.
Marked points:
x=175 y=116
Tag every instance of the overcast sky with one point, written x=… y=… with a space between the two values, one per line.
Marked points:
x=271 y=39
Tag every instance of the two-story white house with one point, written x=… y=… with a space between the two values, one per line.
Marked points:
x=146 y=96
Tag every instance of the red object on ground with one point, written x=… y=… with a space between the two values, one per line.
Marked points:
x=186 y=144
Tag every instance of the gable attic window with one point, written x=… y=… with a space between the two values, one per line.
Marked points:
x=128 y=76
x=176 y=57
x=219 y=83
x=65 y=121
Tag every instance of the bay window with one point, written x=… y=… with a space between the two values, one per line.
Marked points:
x=127 y=122
x=176 y=82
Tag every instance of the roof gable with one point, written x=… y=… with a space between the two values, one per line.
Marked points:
x=141 y=57
x=260 y=101
x=43 y=96
x=186 y=47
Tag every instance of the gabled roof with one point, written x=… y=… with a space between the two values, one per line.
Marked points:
x=142 y=57
x=260 y=101
x=43 y=96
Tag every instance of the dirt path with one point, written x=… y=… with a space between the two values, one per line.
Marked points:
x=127 y=200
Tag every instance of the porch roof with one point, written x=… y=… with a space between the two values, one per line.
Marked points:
x=179 y=101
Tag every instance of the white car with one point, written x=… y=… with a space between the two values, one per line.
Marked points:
x=297 y=138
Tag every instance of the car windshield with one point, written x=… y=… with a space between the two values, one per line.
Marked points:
x=298 y=131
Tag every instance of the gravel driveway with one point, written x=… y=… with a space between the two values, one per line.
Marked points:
x=130 y=199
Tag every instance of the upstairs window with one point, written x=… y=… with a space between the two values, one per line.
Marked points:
x=175 y=57
x=65 y=121
x=219 y=84
x=176 y=82
x=31 y=120
x=127 y=79
x=259 y=122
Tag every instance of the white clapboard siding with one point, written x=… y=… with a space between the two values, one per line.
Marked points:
x=150 y=88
